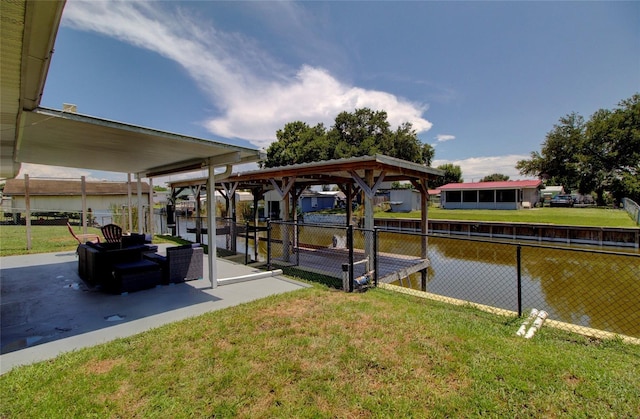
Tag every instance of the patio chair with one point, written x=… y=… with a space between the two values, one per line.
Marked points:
x=83 y=238
x=182 y=263
x=112 y=233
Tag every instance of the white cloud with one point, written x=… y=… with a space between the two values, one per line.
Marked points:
x=475 y=168
x=255 y=94
x=445 y=137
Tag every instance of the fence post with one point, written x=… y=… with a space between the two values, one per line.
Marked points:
x=296 y=242
x=519 y=274
x=375 y=256
x=246 y=244
x=255 y=242
x=268 y=244
x=350 y=247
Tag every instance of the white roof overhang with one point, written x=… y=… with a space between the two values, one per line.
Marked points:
x=28 y=35
x=60 y=138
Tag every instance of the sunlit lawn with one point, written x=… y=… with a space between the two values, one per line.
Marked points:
x=44 y=239
x=323 y=353
x=598 y=217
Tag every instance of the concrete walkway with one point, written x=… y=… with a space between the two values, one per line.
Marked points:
x=47 y=309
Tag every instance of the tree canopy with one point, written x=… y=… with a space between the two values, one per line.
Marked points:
x=601 y=155
x=361 y=133
x=495 y=177
x=452 y=174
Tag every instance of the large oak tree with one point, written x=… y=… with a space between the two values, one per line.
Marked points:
x=600 y=155
x=361 y=133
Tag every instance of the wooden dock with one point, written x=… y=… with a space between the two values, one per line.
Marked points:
x=328 y=261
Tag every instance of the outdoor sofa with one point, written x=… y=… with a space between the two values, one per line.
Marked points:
x=116 y=268
x=131 y=266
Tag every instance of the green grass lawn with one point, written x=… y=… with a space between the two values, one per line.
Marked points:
x=596 y=217
x=323 y=353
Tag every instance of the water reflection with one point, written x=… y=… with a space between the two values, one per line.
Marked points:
x=584 y=288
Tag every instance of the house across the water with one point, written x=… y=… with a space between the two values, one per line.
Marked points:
x=511 y=195
x=51 y=196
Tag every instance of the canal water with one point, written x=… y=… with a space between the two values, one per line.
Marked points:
x=594 y=289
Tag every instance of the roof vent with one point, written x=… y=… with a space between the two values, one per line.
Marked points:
x=70 y=108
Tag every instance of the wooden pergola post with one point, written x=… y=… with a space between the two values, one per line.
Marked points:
x=424 y=226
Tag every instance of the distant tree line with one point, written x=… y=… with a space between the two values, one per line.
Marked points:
x=601 y=155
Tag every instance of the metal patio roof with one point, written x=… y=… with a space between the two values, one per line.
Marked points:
x=61 y=138
x=28 y=34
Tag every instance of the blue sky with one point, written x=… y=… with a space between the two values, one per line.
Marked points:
x=483 y=82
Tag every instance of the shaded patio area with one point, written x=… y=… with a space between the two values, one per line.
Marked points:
x=47 y=309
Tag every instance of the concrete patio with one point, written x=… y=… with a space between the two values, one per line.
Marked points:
x=47 y=310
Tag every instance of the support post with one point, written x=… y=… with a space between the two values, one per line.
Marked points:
x=27 y=207
x=151 y=220
x=350 y=247
x=375 y=256
x=211 y=224
x=140 y=211
x=232 y=226
x=255 y=242
x=424 y=229
x=129 y=204
x=368 y=215
x=268 y=244
x=246 y=244
x=349 y=203
x=83 y=188
x=198 y=211
x=296 y=242
x=286 y=236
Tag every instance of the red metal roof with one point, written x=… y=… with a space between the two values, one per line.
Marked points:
x=509 y=184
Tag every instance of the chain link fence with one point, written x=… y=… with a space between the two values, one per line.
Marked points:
x=315 y=252
x=632 y=208
x=585 y=290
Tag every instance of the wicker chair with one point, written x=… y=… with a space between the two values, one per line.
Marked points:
x=182 y=263
x=112 y=233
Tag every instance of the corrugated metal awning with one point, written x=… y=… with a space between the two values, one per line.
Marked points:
x=66 y=139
